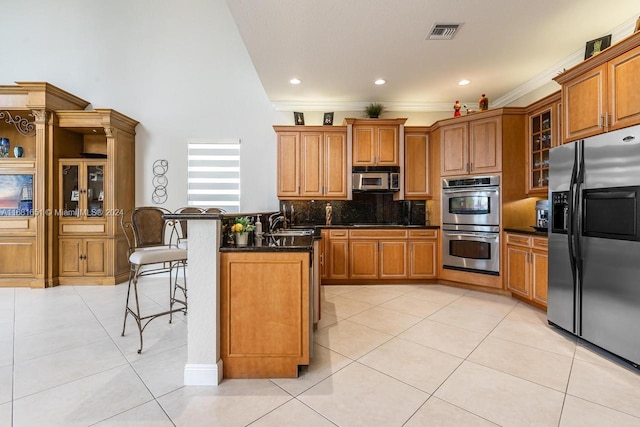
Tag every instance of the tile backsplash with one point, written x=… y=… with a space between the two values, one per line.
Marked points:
x=365 y=208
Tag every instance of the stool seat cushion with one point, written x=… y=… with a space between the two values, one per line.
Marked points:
x=158 y=256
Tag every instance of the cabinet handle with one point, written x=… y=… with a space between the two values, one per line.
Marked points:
x=606 y=119
x=321 y=259
x=471 y=167
x=601 y=124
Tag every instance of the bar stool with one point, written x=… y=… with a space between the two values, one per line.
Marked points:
x=146 y=231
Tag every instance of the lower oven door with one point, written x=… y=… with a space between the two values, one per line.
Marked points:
x=478 y=252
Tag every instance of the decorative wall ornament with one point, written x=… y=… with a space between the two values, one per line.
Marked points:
x=160 y=181
x=24 y=126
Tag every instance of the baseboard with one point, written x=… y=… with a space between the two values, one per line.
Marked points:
x=203 y=373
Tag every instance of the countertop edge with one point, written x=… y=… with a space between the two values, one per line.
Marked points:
x=524 y=230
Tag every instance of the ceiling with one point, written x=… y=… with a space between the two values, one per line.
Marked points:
x=507 y=48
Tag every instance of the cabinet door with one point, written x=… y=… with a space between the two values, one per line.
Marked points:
x=363 y=259
x=541 y=137
x=539 y=278
x=70 y=257
x=288 y=164
x=387 y=146
x=94 y=191
x=624 y=96
x=455 y=150
x=335 y=161
x=416 y=172
x=584 y=101
x=94 y=257
x=311 y=164
x=518 y=270
x=485 y=145
x=393 y=259
x=338 y=259
x=363 y=146
x=422 y=259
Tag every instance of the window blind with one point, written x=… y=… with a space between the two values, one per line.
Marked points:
x=214 y=174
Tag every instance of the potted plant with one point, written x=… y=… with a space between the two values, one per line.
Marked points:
x=241 y=228
x=374 y=110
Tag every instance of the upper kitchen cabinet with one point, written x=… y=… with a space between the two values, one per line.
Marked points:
x=472 y=145
x=417 y=184
x=542 y=135
x=95 y=185
x=28 y=120
x=376 y=142
x=312 y=162
x=600 y=94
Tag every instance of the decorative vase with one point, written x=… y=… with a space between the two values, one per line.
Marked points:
x=4 y=147
x=18 y=151
x=242 y=239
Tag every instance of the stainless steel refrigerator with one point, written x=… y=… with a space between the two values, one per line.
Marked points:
x=594 y=240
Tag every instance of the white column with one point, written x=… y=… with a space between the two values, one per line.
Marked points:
x=204 y=366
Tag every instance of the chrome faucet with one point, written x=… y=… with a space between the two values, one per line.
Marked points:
x=274 y=220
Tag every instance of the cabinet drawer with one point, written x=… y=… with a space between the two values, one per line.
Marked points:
x=338 y=234
x=425 y=234
x=377 y=234
x=540 y=243
x=516 y=239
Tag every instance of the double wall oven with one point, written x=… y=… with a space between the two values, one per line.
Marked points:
x=471 y=224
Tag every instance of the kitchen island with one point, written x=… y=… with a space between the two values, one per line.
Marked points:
x=266 y=303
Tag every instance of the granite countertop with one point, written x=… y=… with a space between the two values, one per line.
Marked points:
x=526 y=230
x=356 y=226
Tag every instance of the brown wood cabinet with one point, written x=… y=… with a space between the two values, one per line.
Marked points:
x=338 y=259
x=542 y=135
x=261 y=340
x=417 y=185
x=472 y=147
x=378 y=254
x=91 y=195
x=600 y=94
x=423 y=254
x=312 y=163
x=28 y=247
x=527 y=265
x=376 y=142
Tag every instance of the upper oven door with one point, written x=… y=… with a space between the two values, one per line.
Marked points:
x=476 y=206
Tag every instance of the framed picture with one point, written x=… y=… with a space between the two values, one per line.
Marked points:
x=596 y=46
x=298 y=118
x=328 y=119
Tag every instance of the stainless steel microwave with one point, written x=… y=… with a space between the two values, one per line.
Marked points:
x=376 y=181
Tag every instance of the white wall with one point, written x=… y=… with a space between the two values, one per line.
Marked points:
x=179 y=68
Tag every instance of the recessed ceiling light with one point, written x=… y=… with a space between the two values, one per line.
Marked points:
x=380 y=82
x=295 y=81
x=464 y=82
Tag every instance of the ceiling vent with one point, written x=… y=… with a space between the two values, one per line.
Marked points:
x=443 y=31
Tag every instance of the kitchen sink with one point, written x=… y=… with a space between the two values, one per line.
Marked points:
x=291 y=232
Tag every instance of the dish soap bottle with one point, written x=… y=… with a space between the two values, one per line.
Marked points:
x=258 y=225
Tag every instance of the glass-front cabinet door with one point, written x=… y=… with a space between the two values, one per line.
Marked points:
x=541 y=137
x=82 y=189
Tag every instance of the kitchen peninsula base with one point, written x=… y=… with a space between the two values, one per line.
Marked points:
x=264 y=306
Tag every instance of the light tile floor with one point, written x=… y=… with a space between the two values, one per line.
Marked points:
x=405 y=355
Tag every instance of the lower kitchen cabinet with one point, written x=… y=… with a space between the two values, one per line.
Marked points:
x=527 y=266
x=423 y=254
x=380 y=254
x=337 y=262
x=82 y=257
